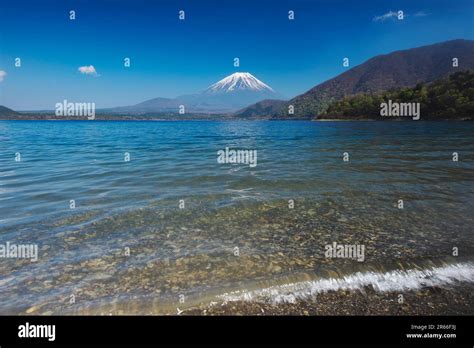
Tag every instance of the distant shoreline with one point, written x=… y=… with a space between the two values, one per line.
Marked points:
x=227 y=119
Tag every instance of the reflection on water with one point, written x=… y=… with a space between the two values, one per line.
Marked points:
x=127 y=243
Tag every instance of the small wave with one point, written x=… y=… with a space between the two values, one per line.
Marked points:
x=396 y=280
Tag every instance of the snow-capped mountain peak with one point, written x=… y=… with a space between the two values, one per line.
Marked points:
x=239 y=81
x=230 y=94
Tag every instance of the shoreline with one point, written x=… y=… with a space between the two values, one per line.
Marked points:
x=228 y=119
x=434 y=292
x=447 y=300
x=454 y=299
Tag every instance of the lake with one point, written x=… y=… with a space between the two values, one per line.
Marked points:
x=142 y=218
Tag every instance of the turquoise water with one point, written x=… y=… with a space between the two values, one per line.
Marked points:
x=192 y=251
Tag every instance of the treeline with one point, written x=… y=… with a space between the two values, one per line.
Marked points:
x=449 y=98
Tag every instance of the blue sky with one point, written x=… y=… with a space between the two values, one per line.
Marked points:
x=171 y=57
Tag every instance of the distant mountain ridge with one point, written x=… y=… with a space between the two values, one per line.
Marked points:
x=403 y=68
x=264 y=107
x=227 y=95
x=4 y=111
x=450 y=98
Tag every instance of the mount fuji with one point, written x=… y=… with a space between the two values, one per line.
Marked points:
x=239 y=82
x=230 y=94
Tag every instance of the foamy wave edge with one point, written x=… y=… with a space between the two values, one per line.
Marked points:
x=397 y=280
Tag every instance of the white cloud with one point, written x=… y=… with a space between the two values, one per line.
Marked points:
x=88 y=70
x=394 y=14
x=2 y=75
x=385 y=16
x=421 y=14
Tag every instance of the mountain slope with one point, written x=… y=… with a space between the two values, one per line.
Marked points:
x=227 y=95
x=262 y=108
x=4 y=111
x=151 y=105
x=450 y=98
x=398 y=69
x=238 y=82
